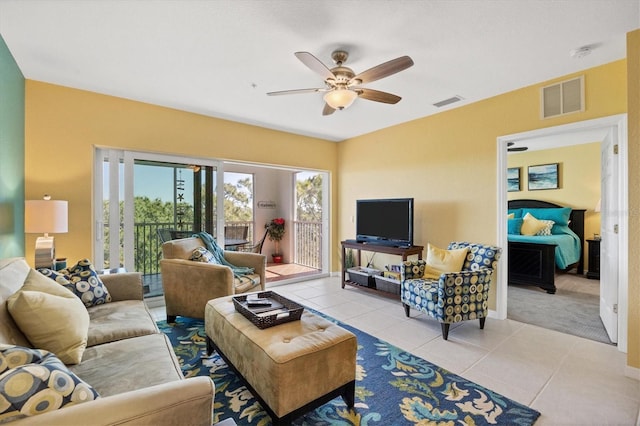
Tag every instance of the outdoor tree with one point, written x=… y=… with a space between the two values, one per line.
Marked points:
x=309 y=199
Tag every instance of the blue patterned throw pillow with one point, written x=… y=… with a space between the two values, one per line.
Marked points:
x=43 y=383
x=83 y=280
x=201 y=254
x=12 y=356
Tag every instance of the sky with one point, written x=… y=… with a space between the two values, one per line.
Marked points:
x=157 y=182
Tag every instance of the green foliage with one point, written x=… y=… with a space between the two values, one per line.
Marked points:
x=275 y=229
x=238 y=201
x=309 y=199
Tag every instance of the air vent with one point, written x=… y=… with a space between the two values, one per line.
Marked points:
x=562 y=98
x=448 y=101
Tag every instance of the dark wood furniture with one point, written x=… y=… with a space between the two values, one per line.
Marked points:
x=404 y=252
x=594 y=259
x=534 y=264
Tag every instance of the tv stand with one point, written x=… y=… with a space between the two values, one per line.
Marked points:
x=376 y=248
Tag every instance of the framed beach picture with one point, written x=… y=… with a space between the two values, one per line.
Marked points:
x=543 y=176
x=513 y=179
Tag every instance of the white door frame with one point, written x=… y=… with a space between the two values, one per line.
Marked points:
x=615 y=123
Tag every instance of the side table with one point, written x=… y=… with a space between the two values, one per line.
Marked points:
x=594 y=259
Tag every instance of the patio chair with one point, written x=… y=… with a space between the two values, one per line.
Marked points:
x=256 y=248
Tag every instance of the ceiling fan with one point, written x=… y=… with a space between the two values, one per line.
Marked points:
x=342 y=85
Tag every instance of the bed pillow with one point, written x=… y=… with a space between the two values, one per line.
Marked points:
x=517 y=213
x=559 y=215
x=531 y=225
x=547 y=228
x=514 y=225
x=441 y=261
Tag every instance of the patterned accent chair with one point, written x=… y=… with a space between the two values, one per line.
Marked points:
x=456 y=296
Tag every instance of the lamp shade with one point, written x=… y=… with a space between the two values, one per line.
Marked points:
x=340 y=98
x=45 y=216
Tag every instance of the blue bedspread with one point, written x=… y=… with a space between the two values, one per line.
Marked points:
x=568 y=250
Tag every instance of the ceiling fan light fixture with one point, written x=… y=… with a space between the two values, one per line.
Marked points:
x=340 y=98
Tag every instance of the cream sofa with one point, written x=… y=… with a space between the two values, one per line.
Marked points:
x=188 y=285
x=127 y=360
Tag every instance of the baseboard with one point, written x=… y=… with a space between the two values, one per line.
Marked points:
x=632 y=372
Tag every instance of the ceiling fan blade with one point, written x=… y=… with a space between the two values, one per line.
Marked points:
x=378 y=96
x=327 y=110
x=315 y=65
x=383 y=70
x=296 y=91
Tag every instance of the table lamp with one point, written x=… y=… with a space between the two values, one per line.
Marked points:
x=45 y=216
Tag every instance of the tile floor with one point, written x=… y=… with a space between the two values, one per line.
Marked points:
x=570 y=380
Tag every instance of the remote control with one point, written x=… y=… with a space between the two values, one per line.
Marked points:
x=258 y=302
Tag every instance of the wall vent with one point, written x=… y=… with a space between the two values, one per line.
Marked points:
x=448 y=101
x=562 y=98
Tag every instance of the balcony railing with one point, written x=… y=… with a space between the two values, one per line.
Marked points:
x=148 y=247
x=308 y=244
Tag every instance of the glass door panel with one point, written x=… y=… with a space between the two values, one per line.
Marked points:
x=153 y=198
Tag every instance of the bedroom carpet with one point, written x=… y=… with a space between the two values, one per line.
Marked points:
x=566 y=311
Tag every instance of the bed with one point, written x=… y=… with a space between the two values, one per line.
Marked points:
x=533 y=260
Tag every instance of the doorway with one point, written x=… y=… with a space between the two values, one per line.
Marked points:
x=607 y=129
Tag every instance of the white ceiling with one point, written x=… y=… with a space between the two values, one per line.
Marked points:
x=220 y=57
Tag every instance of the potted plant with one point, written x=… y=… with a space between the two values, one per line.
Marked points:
x=275 y=231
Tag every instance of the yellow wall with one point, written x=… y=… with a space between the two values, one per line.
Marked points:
x=579 y=177
x=63 y=125
x=633 y=118
x=448 y=161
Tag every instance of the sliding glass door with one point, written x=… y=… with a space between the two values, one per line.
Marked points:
x=143 y=199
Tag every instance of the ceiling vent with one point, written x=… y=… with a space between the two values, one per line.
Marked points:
x=562 y=98
x=448 y=101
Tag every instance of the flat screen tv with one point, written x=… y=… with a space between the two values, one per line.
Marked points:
x=385 y=221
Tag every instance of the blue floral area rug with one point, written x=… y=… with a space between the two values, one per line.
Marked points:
x=393 y=387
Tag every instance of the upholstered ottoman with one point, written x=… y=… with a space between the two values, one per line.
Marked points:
x=290 y=368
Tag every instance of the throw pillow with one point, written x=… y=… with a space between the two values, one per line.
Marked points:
x=548 y=225
x=12 y=356
x=514 y=225
x=83 y=280
x=56 y=323
x=41 y=386
x=201 y=254
x=511 y=216
x=531 y=225
x=441 y=261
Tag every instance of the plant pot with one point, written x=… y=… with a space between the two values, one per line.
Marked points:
x=277 y=258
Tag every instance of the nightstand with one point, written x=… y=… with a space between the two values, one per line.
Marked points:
x=594 y=259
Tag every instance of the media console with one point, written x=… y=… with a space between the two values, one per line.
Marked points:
x=398 y=251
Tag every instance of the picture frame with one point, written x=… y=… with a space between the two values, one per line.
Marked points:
x=513 y=179
x=543 y=176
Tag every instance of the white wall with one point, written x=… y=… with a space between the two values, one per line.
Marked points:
x=271 y=185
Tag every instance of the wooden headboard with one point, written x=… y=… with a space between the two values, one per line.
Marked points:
x=576 y=219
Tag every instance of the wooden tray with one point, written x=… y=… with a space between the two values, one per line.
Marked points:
x=284 y=310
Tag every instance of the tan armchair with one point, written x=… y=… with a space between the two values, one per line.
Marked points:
x=189 y=285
